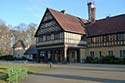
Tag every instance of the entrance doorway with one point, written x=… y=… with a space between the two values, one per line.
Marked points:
x=72 y=56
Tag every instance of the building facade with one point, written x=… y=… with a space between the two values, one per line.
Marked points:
x=31 y=53
x=106 y=37
x=18 y=49
x=65 y=38
x=60 y=37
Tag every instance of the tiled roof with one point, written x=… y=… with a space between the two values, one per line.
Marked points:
x=68 y=22
x=108 y=25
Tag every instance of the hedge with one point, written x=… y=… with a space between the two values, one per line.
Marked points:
x=105 y=60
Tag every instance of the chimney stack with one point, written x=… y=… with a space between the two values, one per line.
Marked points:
x=91 y=12
x=63 y=11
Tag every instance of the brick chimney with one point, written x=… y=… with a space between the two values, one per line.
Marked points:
x=91 y=12
x=63 y=11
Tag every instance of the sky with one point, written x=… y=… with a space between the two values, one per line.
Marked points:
x=15 y=12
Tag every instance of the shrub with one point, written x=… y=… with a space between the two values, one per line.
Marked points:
x=95 y=60
x=90 y=59
x=123 y=61
x=107 y=59
x=111 y=60
x=7 y=57
x=117 y=60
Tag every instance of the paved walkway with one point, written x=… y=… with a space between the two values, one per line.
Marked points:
x=80 y=73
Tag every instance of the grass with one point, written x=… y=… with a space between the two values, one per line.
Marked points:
x=35 y=69
x=2 y=81
x=31 y=69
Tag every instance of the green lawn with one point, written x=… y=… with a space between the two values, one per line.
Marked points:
x=31 y=69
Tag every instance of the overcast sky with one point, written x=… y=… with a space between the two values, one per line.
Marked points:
x=14 y=12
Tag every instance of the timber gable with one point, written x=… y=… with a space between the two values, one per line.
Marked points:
x=48 y=24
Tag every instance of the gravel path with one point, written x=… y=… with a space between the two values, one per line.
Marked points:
x=80 y=73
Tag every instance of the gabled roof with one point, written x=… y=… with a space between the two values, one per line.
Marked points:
x=68 y=22
x=31 y=50
x=19 y=43
x=108 y=25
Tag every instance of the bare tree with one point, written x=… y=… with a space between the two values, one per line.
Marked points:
x=5 y=39
x=30 y=33
x=8 y=37
x=25 y=33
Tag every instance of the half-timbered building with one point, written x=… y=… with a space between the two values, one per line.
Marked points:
x=65 y=38
x=106 y=37
x=60 y=37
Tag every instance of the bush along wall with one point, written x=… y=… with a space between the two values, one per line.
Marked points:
x=105 y=60
x=91 y=59
x=7 y=57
